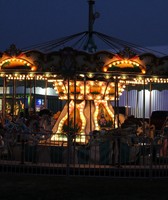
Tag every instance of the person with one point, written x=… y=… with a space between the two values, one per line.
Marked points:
x=103 y=131
x=163 y=150
x=21 y=119
x=93 y=135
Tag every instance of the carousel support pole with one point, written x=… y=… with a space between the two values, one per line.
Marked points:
x=35 y=146
x=90 y=105
x=150 y=102
x=144 y=107
x=4 y=100
x=22 y=140
x=137 y=101
x=45 y=99
x=84 y=88
x=90 y=114
x=144 y=132
x=91 y=17
x=30 y=95
x=25 y=87
x=127 y=101
x=85 y=98
x=34 y=106
x=115 y=102
x=90 y=45
x=13 y=99
x=117 y=111
x=75 y=122
x=118 y=139
x=152 y=149
x=75 y=101
x=68 y=133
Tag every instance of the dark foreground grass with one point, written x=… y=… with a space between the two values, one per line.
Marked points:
x=26 y=187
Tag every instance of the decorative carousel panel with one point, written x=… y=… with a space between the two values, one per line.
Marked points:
x=89 y=90
x=16 y=64
x=75 y=125
x=103 y=116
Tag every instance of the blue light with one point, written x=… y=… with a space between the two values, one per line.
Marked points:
x=38 y=102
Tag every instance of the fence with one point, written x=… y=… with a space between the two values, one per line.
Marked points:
x=116 y=153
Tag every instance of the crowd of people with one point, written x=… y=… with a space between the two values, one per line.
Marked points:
x=28 y=126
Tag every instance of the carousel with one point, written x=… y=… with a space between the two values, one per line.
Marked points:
x=90 y=82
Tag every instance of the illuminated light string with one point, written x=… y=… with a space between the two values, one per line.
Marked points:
x=80 y=107
x=29 y=76
x=58 y=84
x=124 y=63
x=15 y=60
x=19 y=61
x=94 y=90
x=97 y=103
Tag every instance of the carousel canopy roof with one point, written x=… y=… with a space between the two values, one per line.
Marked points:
x=68 y=61
x=82 y=54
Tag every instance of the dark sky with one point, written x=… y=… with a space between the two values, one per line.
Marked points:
x=28 y=22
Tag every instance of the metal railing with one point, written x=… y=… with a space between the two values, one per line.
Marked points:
x=117 y=153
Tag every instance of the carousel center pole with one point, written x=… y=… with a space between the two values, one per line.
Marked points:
x=91 y=17
x=90 y=45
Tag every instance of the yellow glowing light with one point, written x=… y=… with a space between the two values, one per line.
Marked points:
x=143 y=71
x=33 y=68
x=90 y=75
x=105 y=69
x=124 y=63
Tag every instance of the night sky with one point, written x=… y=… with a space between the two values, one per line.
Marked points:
x=29 y=22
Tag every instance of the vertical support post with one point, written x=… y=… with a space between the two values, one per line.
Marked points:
x=144 y=106
x=25 y=86
x=4 y=100
x=85 y=88
x=75 y=105
x=13 y=98
x=116 y=101
x=150 y=102
x=68 y=133
x=90 y=45
x=74 y=134
x=91 y=17
x=90 y=109
x=117 y=111
x=137 y=101
x=30 y=94
x=127 y=101
x=45 y=100
x=34 y=93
